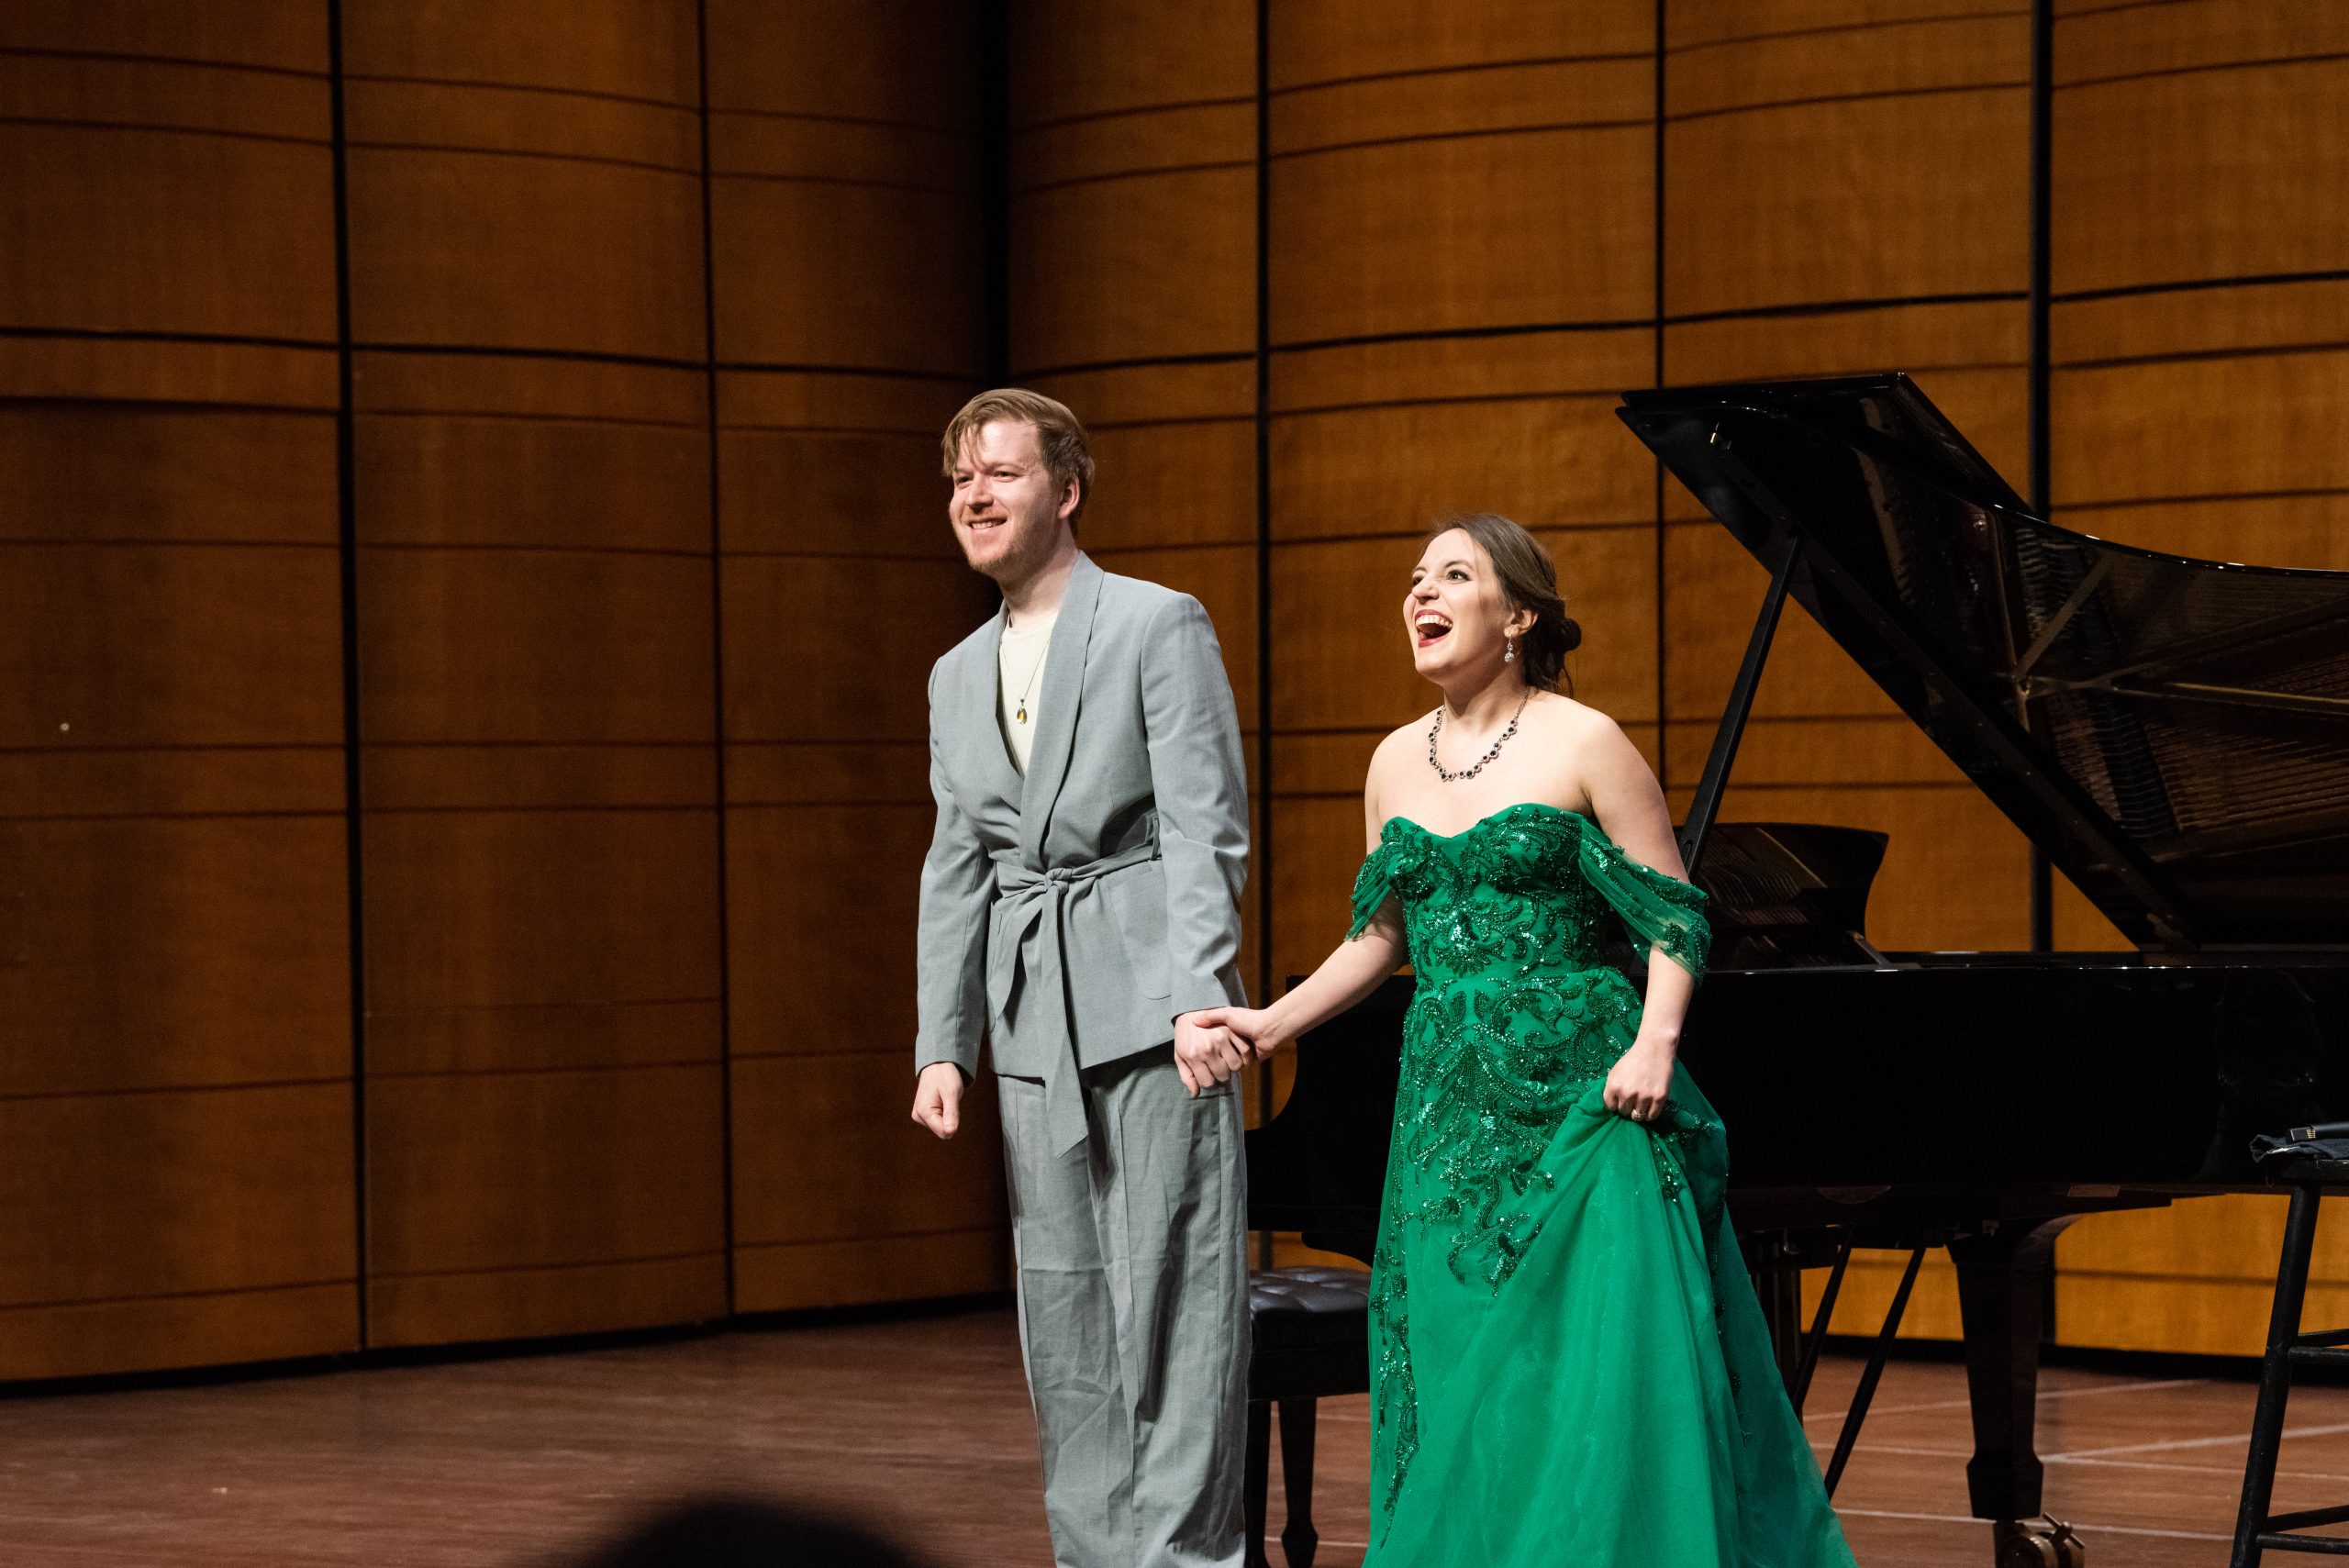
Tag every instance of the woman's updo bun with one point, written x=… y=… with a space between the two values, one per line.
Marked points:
x=1528 y=580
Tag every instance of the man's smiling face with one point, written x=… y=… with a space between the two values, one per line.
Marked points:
x=1005 y=509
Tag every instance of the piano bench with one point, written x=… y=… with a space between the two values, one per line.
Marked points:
x=1308 y=1332
x=2256 y=1529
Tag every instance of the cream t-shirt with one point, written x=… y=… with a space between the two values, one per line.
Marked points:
x=1020 y=684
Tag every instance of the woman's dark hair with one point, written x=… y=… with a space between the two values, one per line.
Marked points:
x=1529 y=581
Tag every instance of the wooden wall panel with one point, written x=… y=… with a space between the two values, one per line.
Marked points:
x=612 y=48
x=1324 y=43
x=2199 y=402
x=176 y=1168
x=1133 y=201
x=1852 y=155
x=849 y=318
x=1385 y=437
x=574 y=1201
x=176 y=1227
x=1092 y=255
x=776 y=667
x=785 y=844
x=227 y=170
x=1074 y=60
x=1846 y=190
x=845 y=197
x=535 y=641
x=2198 y=140
x=1513 y=195
x=531 y=184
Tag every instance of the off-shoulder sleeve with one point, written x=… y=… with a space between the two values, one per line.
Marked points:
x=1662 y=911
x=1372 y=883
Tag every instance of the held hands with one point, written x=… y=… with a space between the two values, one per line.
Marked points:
x=938 y=1098
x=1206 y=1050
x=1642 y=1080
x=1221 y=1041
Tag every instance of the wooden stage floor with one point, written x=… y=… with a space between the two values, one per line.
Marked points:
x=921 y=1424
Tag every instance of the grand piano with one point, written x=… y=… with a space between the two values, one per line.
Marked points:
x=2172 y=734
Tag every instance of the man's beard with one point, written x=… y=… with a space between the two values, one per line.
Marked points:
x=1030 y=550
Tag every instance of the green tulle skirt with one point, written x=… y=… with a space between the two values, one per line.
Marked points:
x=1607 y=1394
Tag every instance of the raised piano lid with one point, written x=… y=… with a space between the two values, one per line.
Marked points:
x=2173 y=732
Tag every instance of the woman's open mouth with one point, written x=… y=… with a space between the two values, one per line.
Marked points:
x=1428 y=629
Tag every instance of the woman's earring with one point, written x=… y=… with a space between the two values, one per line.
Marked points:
x=1510 y=657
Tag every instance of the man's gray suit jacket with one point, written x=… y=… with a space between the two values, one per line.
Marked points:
x=1072 y=915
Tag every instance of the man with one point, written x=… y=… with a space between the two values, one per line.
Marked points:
x=1079 y=901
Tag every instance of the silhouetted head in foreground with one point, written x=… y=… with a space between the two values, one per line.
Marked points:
x=731 y=1532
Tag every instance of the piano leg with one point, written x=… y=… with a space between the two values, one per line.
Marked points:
x=2002 y=1278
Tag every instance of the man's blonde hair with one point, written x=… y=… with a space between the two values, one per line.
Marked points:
x=1059 y=433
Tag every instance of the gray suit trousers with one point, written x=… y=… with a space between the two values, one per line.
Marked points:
x=1133 y=1313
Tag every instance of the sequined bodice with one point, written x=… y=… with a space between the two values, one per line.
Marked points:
x=1530 y=890
x=1502 y=895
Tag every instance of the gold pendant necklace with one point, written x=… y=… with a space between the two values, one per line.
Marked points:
x=1033 y=671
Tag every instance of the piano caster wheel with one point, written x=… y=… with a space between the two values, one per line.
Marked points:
x=2046 y=1544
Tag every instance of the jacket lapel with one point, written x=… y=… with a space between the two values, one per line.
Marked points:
x=1056 y=721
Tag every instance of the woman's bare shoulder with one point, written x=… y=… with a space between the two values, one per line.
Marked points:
x=1400 y=742
x=1397 y=748
x=1572 y=720
x=1586 y=746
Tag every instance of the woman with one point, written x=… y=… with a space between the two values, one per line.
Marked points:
x=1568 y=1364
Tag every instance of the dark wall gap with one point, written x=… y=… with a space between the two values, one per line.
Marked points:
x=716 y=673
x=2043 y=142
x=1264 y=549
x=1662 y=639
x=347 y=543
x=994 y=186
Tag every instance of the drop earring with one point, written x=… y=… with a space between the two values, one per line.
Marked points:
x=1510 y=657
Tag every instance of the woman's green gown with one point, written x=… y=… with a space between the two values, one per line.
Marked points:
x=1568 y=1365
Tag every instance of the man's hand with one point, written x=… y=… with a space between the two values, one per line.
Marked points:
x=1206 y=1053
x=938 y=1098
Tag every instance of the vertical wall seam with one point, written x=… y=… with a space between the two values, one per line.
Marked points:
x=1265 y=845
x=718 y=679
x=347 y=552
x=994 y=186
x=1663 y=638
x=2043 y=164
